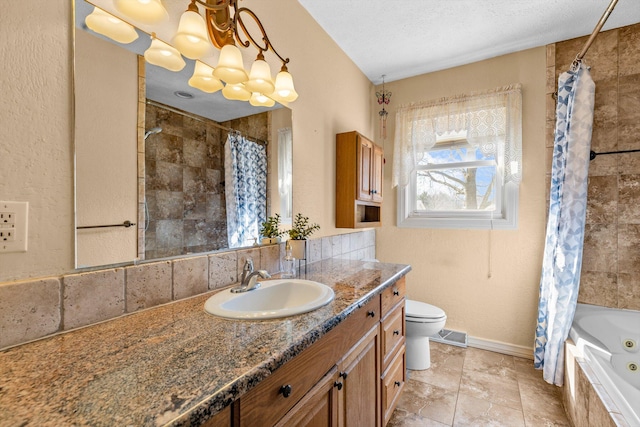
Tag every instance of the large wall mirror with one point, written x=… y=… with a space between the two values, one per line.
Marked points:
x=155 y=152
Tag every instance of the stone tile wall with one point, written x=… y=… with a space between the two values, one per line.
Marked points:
x=184 y=181
x=37 y=308
x=611 y=259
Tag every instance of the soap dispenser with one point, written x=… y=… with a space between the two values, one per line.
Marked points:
x=288 y=263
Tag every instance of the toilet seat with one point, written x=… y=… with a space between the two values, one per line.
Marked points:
x=416 y=311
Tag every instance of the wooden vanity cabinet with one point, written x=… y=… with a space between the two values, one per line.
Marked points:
x=392 y=327
x=350 y=377
x=359 y=181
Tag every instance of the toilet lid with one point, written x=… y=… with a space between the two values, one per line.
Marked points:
x=422 y=310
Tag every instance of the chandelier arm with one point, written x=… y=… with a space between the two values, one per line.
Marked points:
x=237 y=19
x=224 y=4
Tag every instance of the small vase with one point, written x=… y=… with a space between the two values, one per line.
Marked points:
x=270 y=240
x=298 y=249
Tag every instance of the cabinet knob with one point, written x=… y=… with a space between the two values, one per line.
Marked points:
x=397 y=383
x=285 y=390
x=371 y=313
x=338 y=384
x=396 y=332
x=343 y=375
x=396 y=293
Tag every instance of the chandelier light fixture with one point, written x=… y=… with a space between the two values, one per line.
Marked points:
x=197 y=37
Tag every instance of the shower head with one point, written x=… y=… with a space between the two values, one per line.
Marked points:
x=152 y=131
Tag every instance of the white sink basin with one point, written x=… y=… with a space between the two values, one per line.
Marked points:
x=273 y=299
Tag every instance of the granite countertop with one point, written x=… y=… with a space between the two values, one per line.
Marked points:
x=170 y=365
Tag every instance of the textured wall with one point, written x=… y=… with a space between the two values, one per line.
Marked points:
x=486 y=282
x=611 y=259
x=36 y=139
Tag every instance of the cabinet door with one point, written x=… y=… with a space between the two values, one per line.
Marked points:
x=359 y=372
x=377 y=173
x=318 y=408
x=364 y=168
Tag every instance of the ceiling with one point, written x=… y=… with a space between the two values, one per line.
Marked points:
x=405 y=38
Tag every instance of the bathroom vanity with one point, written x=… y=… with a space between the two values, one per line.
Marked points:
x=342 y=364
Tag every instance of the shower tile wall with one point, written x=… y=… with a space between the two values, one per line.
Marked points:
x=184 y=185
x=611 y=259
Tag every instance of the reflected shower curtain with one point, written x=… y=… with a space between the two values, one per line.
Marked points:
x=565 y=228
x=245 y=173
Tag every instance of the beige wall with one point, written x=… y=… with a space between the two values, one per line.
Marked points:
x=36 y=139
x=106 y=151
x=451 y=267
x=36 y=135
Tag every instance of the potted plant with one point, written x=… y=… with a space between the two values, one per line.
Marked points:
x=298 y=234
x=270 y=230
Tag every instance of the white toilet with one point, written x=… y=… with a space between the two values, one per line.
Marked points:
x=422 y=321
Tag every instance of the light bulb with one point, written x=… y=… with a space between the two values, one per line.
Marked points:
x=203 y=78
x=163 y=55
x=145 y=11
x=260 y=77
x=230 y=68
x=284 y=86
x=236 y=92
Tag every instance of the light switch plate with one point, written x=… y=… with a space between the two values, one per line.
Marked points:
x=13 y=226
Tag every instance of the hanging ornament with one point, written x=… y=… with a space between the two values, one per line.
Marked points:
x=383 y=99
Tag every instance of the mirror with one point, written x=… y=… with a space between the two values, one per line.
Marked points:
x=149 y=154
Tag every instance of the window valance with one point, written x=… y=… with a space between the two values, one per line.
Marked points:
x=492 y=120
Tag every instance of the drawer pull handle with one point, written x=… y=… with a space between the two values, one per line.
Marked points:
x=343 y=375
x=371 y=313
x=285 y=390
x=338 y=384
x=397 y=383
x=396 y=293
x=396 y=332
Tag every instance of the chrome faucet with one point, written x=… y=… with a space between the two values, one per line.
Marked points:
x=249 y=279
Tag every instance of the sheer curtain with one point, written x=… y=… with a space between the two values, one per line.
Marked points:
x=492 y=120
x=245 y=172
x=562 y=260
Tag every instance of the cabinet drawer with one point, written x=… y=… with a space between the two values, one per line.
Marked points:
x=392 y=381
x=393 y=295
x=266 y=403
x=393 y=334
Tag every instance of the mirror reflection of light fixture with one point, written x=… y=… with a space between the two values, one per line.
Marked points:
x=145 y=11
x=203 y=78
x=163 y=55
x=236 y=92
x=223 y=27
x=108 y=25
x=259 y=100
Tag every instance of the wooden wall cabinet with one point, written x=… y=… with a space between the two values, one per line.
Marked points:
x=359 y=181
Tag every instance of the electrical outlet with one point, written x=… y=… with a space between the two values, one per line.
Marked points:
x=7 y=235
x=13 y=226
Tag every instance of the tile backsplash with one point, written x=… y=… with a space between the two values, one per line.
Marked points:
x=37 y=308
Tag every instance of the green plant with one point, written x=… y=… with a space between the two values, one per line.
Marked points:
x=301 y=229
x=270 y=229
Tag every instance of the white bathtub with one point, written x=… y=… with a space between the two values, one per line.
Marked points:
x=610 y=340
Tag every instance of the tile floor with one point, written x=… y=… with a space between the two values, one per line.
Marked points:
x=471 y=387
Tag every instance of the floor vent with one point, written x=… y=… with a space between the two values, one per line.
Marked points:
x=450 y=337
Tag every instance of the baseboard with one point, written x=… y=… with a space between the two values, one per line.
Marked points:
x=500 y=347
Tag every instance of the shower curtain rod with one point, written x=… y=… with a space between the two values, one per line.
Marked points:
x=595 y=32
x=209 y=121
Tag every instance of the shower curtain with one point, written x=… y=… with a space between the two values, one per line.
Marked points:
x=245 y=172
x=562 y=260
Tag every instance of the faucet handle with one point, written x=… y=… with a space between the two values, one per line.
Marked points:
x=248 y=265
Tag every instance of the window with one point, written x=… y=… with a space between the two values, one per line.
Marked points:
x=457 y=162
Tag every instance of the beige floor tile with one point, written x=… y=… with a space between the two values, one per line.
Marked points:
x=489 y=363
x=472 y=412
x=470 y=387
x=428 y=401
x=493 y=388
x=401 y=418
